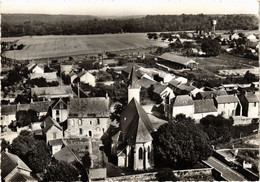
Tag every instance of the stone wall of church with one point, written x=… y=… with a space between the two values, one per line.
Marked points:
x=143 y=156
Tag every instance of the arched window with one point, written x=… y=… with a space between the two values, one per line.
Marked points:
x=149 y=152
x=140 y=153
x=90 y=133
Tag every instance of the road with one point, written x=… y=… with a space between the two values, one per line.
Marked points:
x=226 y=171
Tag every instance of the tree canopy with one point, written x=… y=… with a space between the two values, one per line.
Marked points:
x=180 y=144
x=211 y=47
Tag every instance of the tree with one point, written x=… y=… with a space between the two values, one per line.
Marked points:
x=211 y=47
x=13 y=77
x=180 y=145
x=117 y=113
x=166 y=175
x=217 y=128
x=61 y=171
x=34 y=152
x=25 y=118
x=22 y=99
x=250 y=77
x=86 y=160
x=182 y=118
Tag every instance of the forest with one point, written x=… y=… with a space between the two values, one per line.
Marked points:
x=31 y=24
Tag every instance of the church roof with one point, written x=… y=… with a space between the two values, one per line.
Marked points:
x=135 y=124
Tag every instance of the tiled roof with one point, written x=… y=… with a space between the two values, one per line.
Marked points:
x=135 y=124
x=49 y=122
x=185 y=87
x=174 y=82
x=89 y=107
x=211 y=94
x=204 y=106
x=8 y=109
x=23 y=107
x=222 y=99
x=182 y=100
x=251 y=97
x=9 y=162
x=176 y=59
x=65 y=154
x=60 y=90
x=159 y=88
x=40 y=106
x=145 y=82
x=56 y=142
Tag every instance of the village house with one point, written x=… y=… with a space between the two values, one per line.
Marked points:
x=182 y=104
x=56 y=145
x=50 y=76
x=51 y=129
x=249 y=102
x=41 y=107
x=14 y=169
x=84 y=119
x=177 y=62
x=203 y=108
x=72 y=76
x=52 y=92
x=163 y=91
x=228 y=105
x=59 y=110
x=87 y=78
x=37 y=69
x=181 y=88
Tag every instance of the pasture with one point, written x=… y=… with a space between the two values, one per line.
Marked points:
x=38 y=47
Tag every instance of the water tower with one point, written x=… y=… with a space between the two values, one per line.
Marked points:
x=213 y=23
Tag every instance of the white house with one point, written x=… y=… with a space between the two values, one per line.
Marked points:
x=228 y=105
x=88 y=78
x=59 y=110
x=51 y=129
x=38 y=69
x=50 y=76
x=56 y=145
x=182 y=104
x=250 y=103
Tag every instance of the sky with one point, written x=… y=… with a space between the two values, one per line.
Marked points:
x=129 y=7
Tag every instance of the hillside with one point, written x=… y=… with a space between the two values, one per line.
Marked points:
x=30 y=24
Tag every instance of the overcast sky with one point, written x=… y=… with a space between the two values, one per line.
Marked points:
x=129 y=7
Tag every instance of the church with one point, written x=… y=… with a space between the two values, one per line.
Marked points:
x=132 y=143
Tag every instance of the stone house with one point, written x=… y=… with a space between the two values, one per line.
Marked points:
x=88 y=117
x=250 y=103
x=87 y=78
x=51 y=129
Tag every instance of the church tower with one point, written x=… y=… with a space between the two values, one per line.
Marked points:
x=133 y=88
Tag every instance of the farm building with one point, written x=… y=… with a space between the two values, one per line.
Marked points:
x=177 y=62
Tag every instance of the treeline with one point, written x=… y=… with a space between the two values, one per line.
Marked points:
x=150 y=23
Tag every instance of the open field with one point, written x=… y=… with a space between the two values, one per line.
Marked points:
x=37 y=47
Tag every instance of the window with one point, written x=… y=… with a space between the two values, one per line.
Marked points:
x=90 y=133
x=149 y=152
x=103 y=130
x=57 y=112
x=254 y=104
x=80 y=122
x=80 y=131
x=98 y=121
x=61 y=105
x=58 y=120
x=90 y=122
x=54 y=135
x=140 y=153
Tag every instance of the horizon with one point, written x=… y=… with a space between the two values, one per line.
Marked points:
x=120 y=8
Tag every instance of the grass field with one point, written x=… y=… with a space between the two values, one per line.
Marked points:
x=37 y=47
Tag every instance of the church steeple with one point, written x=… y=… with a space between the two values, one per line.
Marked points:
x=134 y=88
